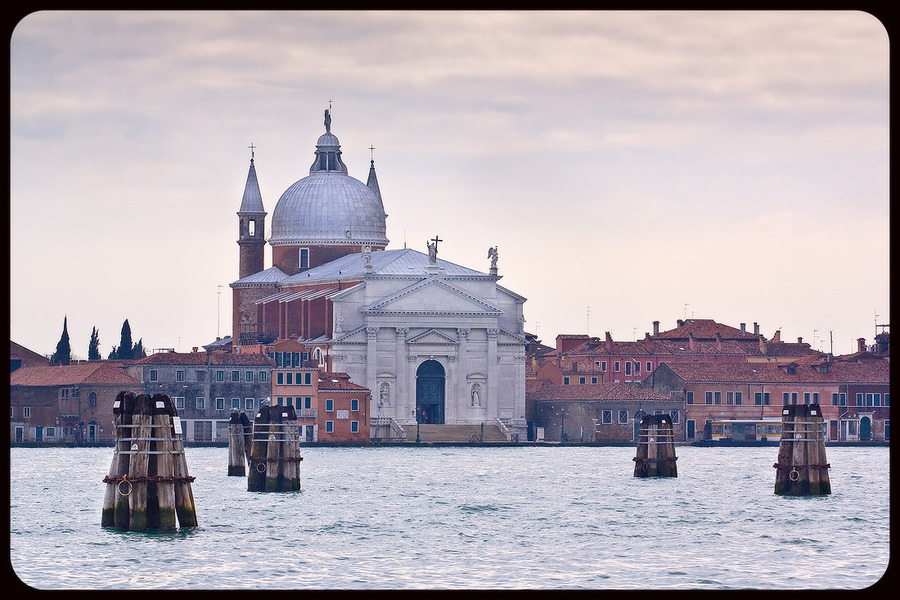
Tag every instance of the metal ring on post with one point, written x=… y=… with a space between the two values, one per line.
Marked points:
x=119 y=487
x=260 y=467
x=794 y=475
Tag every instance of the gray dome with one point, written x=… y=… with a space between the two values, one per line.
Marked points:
x=329 y=208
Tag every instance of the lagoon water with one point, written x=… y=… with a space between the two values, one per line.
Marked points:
x=533 y=517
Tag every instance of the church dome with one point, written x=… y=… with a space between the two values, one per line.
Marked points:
x=329 y=207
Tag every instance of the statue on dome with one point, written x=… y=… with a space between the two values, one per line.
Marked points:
x=327 y=120
x=492 y=254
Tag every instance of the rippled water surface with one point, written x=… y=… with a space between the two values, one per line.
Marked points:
x=480 y=517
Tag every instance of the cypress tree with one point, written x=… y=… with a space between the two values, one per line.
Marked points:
x=63 y=354
x=126 y=347
x=94 y=346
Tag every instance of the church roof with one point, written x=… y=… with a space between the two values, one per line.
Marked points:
x=269 y=276
x=252 y=199
x=329 y=207
x=405 y=262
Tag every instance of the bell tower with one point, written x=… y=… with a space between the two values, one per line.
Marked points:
x=251 y=225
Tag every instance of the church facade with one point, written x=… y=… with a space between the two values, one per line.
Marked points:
x=434 y=342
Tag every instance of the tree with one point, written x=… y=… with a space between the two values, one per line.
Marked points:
x=63 y=354
x=126 y=349
x=94 y=346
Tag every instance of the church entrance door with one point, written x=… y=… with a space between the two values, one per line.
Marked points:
x=430 y=393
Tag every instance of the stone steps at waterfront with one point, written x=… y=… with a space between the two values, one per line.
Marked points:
x=454 y=433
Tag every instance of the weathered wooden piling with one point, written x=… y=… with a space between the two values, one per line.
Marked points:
x=275 y=455
x=802 y=469
x=148 y=485
x=236 y=448
x=656 y=448
x=248 y=434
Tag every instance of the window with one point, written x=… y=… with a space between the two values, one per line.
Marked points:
x=691 y=429
x=220 y=375
x=869 y=399
x=709 y=397
x=675 y=416
x=565 y=380
x=290 y=379
x=235 y=404
x=593 y=380
x=200 y=403
x=806 y=397
x=307 y=402
x=248 y=404
x=729 y=397
x=354 y=404
x=304 y=258
x=794 y=397
x=220 y=403
x=834 y=398
x=279 y=401
x=649 y=366
x=616 y=367
x=235 y=376
x=603 y=366
x=26 y=411
x=606 y=417
x=249 y=376
x=785 y=398
x=154 y=375
x=50 y=432
x=859 y=399
x=279 y=378
x=637 y=367
x=261 y=377
x=887 y=399
x=689 y=397
x=582 y=380
x=354 y=426
x=308 y=379
x=329 y=405
x=623 y=416
x=92 y=399
x=329 y=426
x=718 y=397
x=179 y=402
x=627 y=367
x=179 y=375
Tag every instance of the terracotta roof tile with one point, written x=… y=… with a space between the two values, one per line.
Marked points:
x=97 y=372
x=590 y=391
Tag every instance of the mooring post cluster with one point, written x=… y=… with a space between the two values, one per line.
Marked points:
x=148 y=485
x=655 y=455
x=802 y=469
x=239 y=437
x=275 y=451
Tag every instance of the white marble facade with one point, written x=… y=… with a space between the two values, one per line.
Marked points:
x=387 y=327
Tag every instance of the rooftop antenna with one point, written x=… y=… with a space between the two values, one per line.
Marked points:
x=589 y=321
x=685 y=309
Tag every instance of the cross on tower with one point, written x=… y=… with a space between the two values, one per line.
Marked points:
x=252 y=148
x=436 y=240
x=372 y=153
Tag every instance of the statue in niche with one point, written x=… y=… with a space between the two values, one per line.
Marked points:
x=492 y=254
x=384 y=396
x=476 y=395
x=339 y=323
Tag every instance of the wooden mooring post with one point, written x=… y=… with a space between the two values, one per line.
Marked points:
x=275 y=453
x=656 y=448
x=148 y=486
x=237 y=454
x=802 y=469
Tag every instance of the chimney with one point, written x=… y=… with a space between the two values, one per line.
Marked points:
x=756 y=329
x=608 y=342
x=718 y=342
x=743 y=328
x=194 y=349
x=648 y=343
x=691 y=343
x=680 y=323
x=861 y=344
x=799 y=340
x=655 y=327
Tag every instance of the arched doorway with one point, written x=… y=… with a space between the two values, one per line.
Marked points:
x=430 y=393
x=865 y=429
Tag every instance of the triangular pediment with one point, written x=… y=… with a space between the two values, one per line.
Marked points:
x=357 y=335
x=432 y=336
x=507 y=337
x=432 y=296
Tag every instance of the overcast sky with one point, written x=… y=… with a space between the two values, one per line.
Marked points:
x=631 y=166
